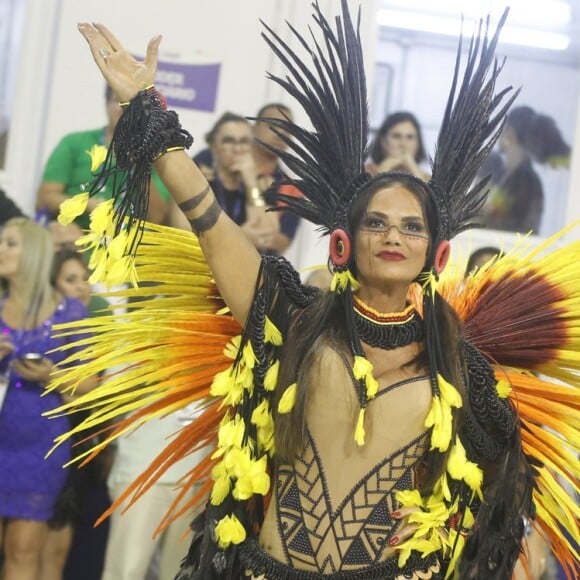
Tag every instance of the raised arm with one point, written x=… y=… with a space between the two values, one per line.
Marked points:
x=232 y=258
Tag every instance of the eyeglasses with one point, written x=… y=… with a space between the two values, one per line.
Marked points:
x=411 y=230
x=232 y=141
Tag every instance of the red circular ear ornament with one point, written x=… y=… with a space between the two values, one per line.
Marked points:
x=442 y=256
x=339 y=247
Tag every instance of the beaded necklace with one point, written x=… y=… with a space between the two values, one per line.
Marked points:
x=387 y=330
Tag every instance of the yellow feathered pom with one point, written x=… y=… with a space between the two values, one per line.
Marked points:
x=429 y=283
x=262 y=418
x=288 y=399
x=230 y=435
x=261 y=414
x=440 y=416
x=434 y=420
x=340 y=281
x=423 y=545
x=251 y=475
x=372 y=386
x=117 y=247
x=101 y=221
x=456 y=542
x=442 y=487
x=271 y=378
x=118 y=271
x=232 y=348
x=224 y=385
x=98 y=154
x=460 y=468
x=72 y=208
x=409 y=498
x=429 y=522
x=248 y=355
x=449 y=394
x=271 y=333
x=503 y=388
x=222 y=484
x=229 y=530
x=363 y=369
x=111 y=259
x=359 y=432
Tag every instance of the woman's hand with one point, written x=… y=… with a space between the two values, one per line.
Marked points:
x=261 y=227
x=125 y=74
x=34 y=370
x=407 y=529
x=245 y=166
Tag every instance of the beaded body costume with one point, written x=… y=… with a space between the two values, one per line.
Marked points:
x=470 y=454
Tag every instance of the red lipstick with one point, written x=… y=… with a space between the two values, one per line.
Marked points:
x=391 y=256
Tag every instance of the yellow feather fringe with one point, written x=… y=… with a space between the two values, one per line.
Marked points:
x=359 y=432
x=158 y=357
x=440 y=416
x=340 y=281
x=288 y=399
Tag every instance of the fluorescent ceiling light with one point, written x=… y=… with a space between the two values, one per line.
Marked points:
x=535 y=38
x=452 y=27
x=541 y=13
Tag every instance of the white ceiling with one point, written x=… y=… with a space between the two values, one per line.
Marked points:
x=535 y=17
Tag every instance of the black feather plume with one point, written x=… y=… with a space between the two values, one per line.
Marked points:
x=329 y=160
x=473 y=120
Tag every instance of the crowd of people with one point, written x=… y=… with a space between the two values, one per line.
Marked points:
x=66 y=545
x=354 y=342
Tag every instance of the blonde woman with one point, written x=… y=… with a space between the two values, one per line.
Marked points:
x=29 y=308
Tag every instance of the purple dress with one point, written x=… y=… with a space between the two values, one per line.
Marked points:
x=29 y=482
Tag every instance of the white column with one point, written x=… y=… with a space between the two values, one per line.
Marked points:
x=36 y=64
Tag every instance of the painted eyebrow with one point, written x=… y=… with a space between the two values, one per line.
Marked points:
x=375 y=213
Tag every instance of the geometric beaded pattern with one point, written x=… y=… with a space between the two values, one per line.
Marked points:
x=355 y=535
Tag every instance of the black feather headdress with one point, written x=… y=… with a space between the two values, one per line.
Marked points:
x=328 y=161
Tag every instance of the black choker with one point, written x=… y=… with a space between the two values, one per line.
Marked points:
x=387 y=331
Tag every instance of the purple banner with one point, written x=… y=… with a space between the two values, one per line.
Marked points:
x=189 y=86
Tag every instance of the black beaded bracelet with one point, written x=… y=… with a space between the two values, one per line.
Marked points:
x=147 y=130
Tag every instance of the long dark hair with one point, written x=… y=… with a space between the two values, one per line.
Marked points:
x=227 y=117
x=60 y=258
x=324 y=324
x=520 y=120
x=537 y=133
x=376 y=152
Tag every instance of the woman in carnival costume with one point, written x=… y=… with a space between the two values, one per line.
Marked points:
x=359 y=433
